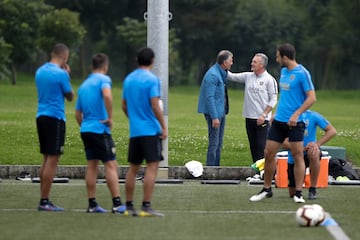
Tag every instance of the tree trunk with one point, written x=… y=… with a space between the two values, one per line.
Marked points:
x=13 y=74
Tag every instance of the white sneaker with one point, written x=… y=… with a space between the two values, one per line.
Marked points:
x=256 y=176
x=298 y=199
x=261 y=195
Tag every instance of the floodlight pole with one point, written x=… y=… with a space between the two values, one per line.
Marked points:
x=158 y=17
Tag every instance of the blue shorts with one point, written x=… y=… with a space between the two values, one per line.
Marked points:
x=99 y=146
x=147 y=147
x=281 y=130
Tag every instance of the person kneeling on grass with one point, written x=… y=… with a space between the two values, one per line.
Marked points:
x=312 y=152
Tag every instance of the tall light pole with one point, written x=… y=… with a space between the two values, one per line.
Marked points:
x=158 y=17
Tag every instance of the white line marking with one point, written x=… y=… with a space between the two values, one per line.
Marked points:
x=335 y=230
x=168 y=211
x=337 y=233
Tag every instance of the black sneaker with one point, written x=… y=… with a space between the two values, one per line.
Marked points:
x=312 y=195
x=130 y=211
x=149 y=212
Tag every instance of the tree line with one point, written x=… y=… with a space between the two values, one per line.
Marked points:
x=324 y=32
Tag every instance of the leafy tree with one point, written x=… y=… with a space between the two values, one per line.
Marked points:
x=20 y=21
x=342 y=36
x=203 y=27
x=134 y=34
x=60 y=26
x=330 y=36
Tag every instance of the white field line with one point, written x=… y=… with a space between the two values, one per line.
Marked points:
x=168 y=211
x=335 y=231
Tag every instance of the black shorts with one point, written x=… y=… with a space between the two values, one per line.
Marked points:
x=148 y=148
x=281 y=130
x=51 y=133
x=99 y=146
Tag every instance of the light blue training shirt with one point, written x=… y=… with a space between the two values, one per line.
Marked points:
x=293 y=87
x=139 y=87
x=52 y=83
x=91 y=103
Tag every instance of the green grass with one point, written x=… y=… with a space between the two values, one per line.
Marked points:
x=192 y=211
x=187 y=129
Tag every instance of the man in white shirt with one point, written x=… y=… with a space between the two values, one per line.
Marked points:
x=260 y=98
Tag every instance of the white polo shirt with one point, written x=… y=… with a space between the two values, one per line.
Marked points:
x=260 y=91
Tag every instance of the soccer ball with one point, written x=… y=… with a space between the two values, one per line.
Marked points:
x=321 y=212
x=310 y=215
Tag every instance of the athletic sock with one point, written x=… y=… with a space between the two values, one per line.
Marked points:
x=129 y=203
x=298 y=193
x=116 y=201
x=267 y=189
x=312 y=189
x=92 y=202
x=44 y=201
x=146 y=204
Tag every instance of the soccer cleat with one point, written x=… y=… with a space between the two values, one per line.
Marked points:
x=50 y=207
x=299 y=199
x=149 y=212
x=312 y=195
x=130 y=211
x=261 y=195
x=96 y=209
x=119 y=209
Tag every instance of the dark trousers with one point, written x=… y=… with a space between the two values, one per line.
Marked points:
x=257 y=135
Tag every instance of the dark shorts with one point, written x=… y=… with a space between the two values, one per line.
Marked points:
x=99 y=146
x=281 y=130
x=291 y=175
x=148 y=148
x=51 y=133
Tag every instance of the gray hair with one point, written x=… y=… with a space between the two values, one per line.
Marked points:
x=264 y=59
x=223 y=55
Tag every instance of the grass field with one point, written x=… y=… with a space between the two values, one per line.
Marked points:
x=192 y=211
x=187 y=129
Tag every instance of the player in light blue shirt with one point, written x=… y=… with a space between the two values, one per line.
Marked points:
x=52 y=83
x=141 y=104
x=140 y=86
x=94 y=115
x=91 y=103
x=297 y=94
x=53 y=87
x=294 y=85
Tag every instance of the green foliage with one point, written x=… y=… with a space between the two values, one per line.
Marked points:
x=60 y=26
x=134 y=33
x=20 y=22
x=324 y=32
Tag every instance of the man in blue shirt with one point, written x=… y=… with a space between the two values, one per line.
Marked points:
x=297 y=94
x=53 y=86
x=214 y=104
x=94 y=115
x=312 y=152
x=141 y=104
